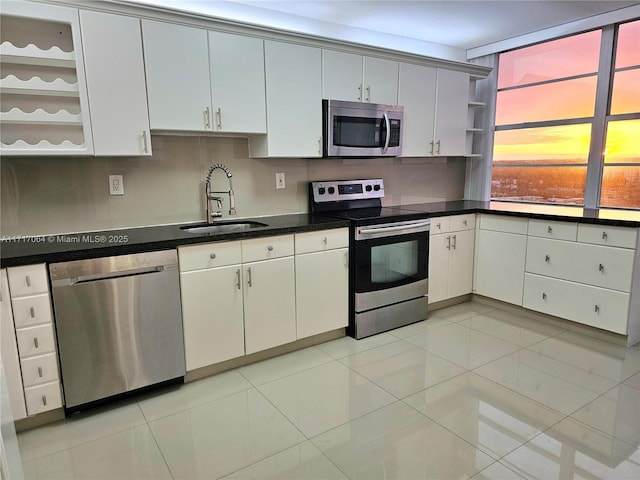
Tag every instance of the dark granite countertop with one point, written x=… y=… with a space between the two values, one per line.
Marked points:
x=24 y=250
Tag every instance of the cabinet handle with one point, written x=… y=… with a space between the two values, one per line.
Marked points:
x=454 y=242
x=448 y=242
x=40 y=372
x=28 y=280
x=547 y=258
x=438 y=151
x=145 y=145
x=360 y=92
x=325 y=241
x=238 y=279
x=439 y=225
x=601 y=268
x=549 y=230
x=464 y=222
x=320 y=146
x=212 y=256
x=270 y=248
x=544 y=296
x=596 y=309
x=368 y=99
x=219 y=119
x=35 y=342
x=432 y=147
x=44 y=400
x=604 y=235
x=207 y=119
x=346 y=259
x=32 y=312
x=249 y=276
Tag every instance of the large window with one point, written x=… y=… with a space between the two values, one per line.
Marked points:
x=568 y=121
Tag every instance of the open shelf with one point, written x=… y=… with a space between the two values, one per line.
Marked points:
x=16 y=116
x=32 y=55
x=36 y=86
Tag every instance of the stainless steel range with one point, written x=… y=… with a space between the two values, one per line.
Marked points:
x=388 y=256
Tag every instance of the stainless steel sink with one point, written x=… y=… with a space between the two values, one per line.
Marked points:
x=223 y=227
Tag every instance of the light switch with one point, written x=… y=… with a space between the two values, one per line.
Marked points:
x=280 y=180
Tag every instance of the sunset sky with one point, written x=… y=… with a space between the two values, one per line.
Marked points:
x=575 y=55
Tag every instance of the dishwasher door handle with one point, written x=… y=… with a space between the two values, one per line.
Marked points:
x=106 y=276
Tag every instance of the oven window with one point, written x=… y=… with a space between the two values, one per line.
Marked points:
x=357 y=132
x=394 y=263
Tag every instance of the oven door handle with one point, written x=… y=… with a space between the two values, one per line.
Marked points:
x=395 y=228
x=387 y=128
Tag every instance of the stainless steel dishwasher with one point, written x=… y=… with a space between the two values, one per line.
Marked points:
x=119 y=324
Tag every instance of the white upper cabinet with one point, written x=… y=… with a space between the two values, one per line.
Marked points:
x=435 y=105
x=294 y=102
x=44 y=96
x=351 y=77
x=116 y=84
x=177 y=67
x=237 y=83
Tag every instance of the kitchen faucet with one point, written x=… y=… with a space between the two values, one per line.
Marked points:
x=209 y=197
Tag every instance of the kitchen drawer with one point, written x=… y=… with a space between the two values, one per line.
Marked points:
x=28 y=280
x=463 y=222
x=35 y=340
x=320 y=241
x=40 y=369
x=440 y=225
x=555 y=230
x=594 y=306
x=43 y=398
x=500 y=223
x=605 y=235
x=605 y=267
x=209 y=255
x=29 y=311
x=267 y=248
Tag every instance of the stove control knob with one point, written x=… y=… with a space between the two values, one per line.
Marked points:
x=321 y=190
x=368 y=188
x=376 y=187
x=332 y=190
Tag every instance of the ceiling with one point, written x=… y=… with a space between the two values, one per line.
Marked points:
x=459 y=24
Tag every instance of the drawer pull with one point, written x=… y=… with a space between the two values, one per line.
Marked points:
x=439 y=225
x=40 y=372
x=32 y=312
x=604 y=235
x=464 y=222
x=544 y=296
x=601 y=268
x=28 y=279
x=549 y=229
x=212 y=256
x=249 y=276
x=597 y=309
x=270 y=248
x=448 y=242
x=547 y=258
x=44 y=400
x=35 y=342
x=238 y=279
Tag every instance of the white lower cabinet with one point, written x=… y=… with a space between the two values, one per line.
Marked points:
x=322 y=281
x=500 y=258
x=451 y=247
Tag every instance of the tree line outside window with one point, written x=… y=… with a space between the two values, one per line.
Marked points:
x=567 y=127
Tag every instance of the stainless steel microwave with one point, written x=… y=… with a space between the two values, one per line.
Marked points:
x=356 y=129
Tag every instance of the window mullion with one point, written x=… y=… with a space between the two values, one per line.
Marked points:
x=599 y=125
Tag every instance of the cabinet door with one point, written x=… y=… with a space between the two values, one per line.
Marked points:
x=9 y=350
x=212 y=315
x=269 y=303
x=499 y=268
x=417 y=94
x=380 y=81
x=237 y=83
x=176 y=59
x=116 y=84
x=452 y=99
x=439 y=247
x=342 y=76
x=322 y=288
x=461 y=263
x=294 y=102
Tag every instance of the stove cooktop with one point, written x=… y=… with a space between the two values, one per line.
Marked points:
x=376 y=214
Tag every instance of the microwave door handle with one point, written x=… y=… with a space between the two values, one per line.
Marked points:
x=387 y=128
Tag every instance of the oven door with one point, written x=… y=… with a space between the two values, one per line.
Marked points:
x=391 y=263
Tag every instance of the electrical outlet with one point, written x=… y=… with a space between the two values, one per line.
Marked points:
x=280 y=180
x=116 y=185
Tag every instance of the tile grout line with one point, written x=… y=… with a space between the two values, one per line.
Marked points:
x=155 y=440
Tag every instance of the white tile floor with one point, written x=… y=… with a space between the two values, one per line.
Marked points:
x=473 y=392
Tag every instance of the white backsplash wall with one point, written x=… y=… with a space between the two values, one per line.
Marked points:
x=61 y=195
